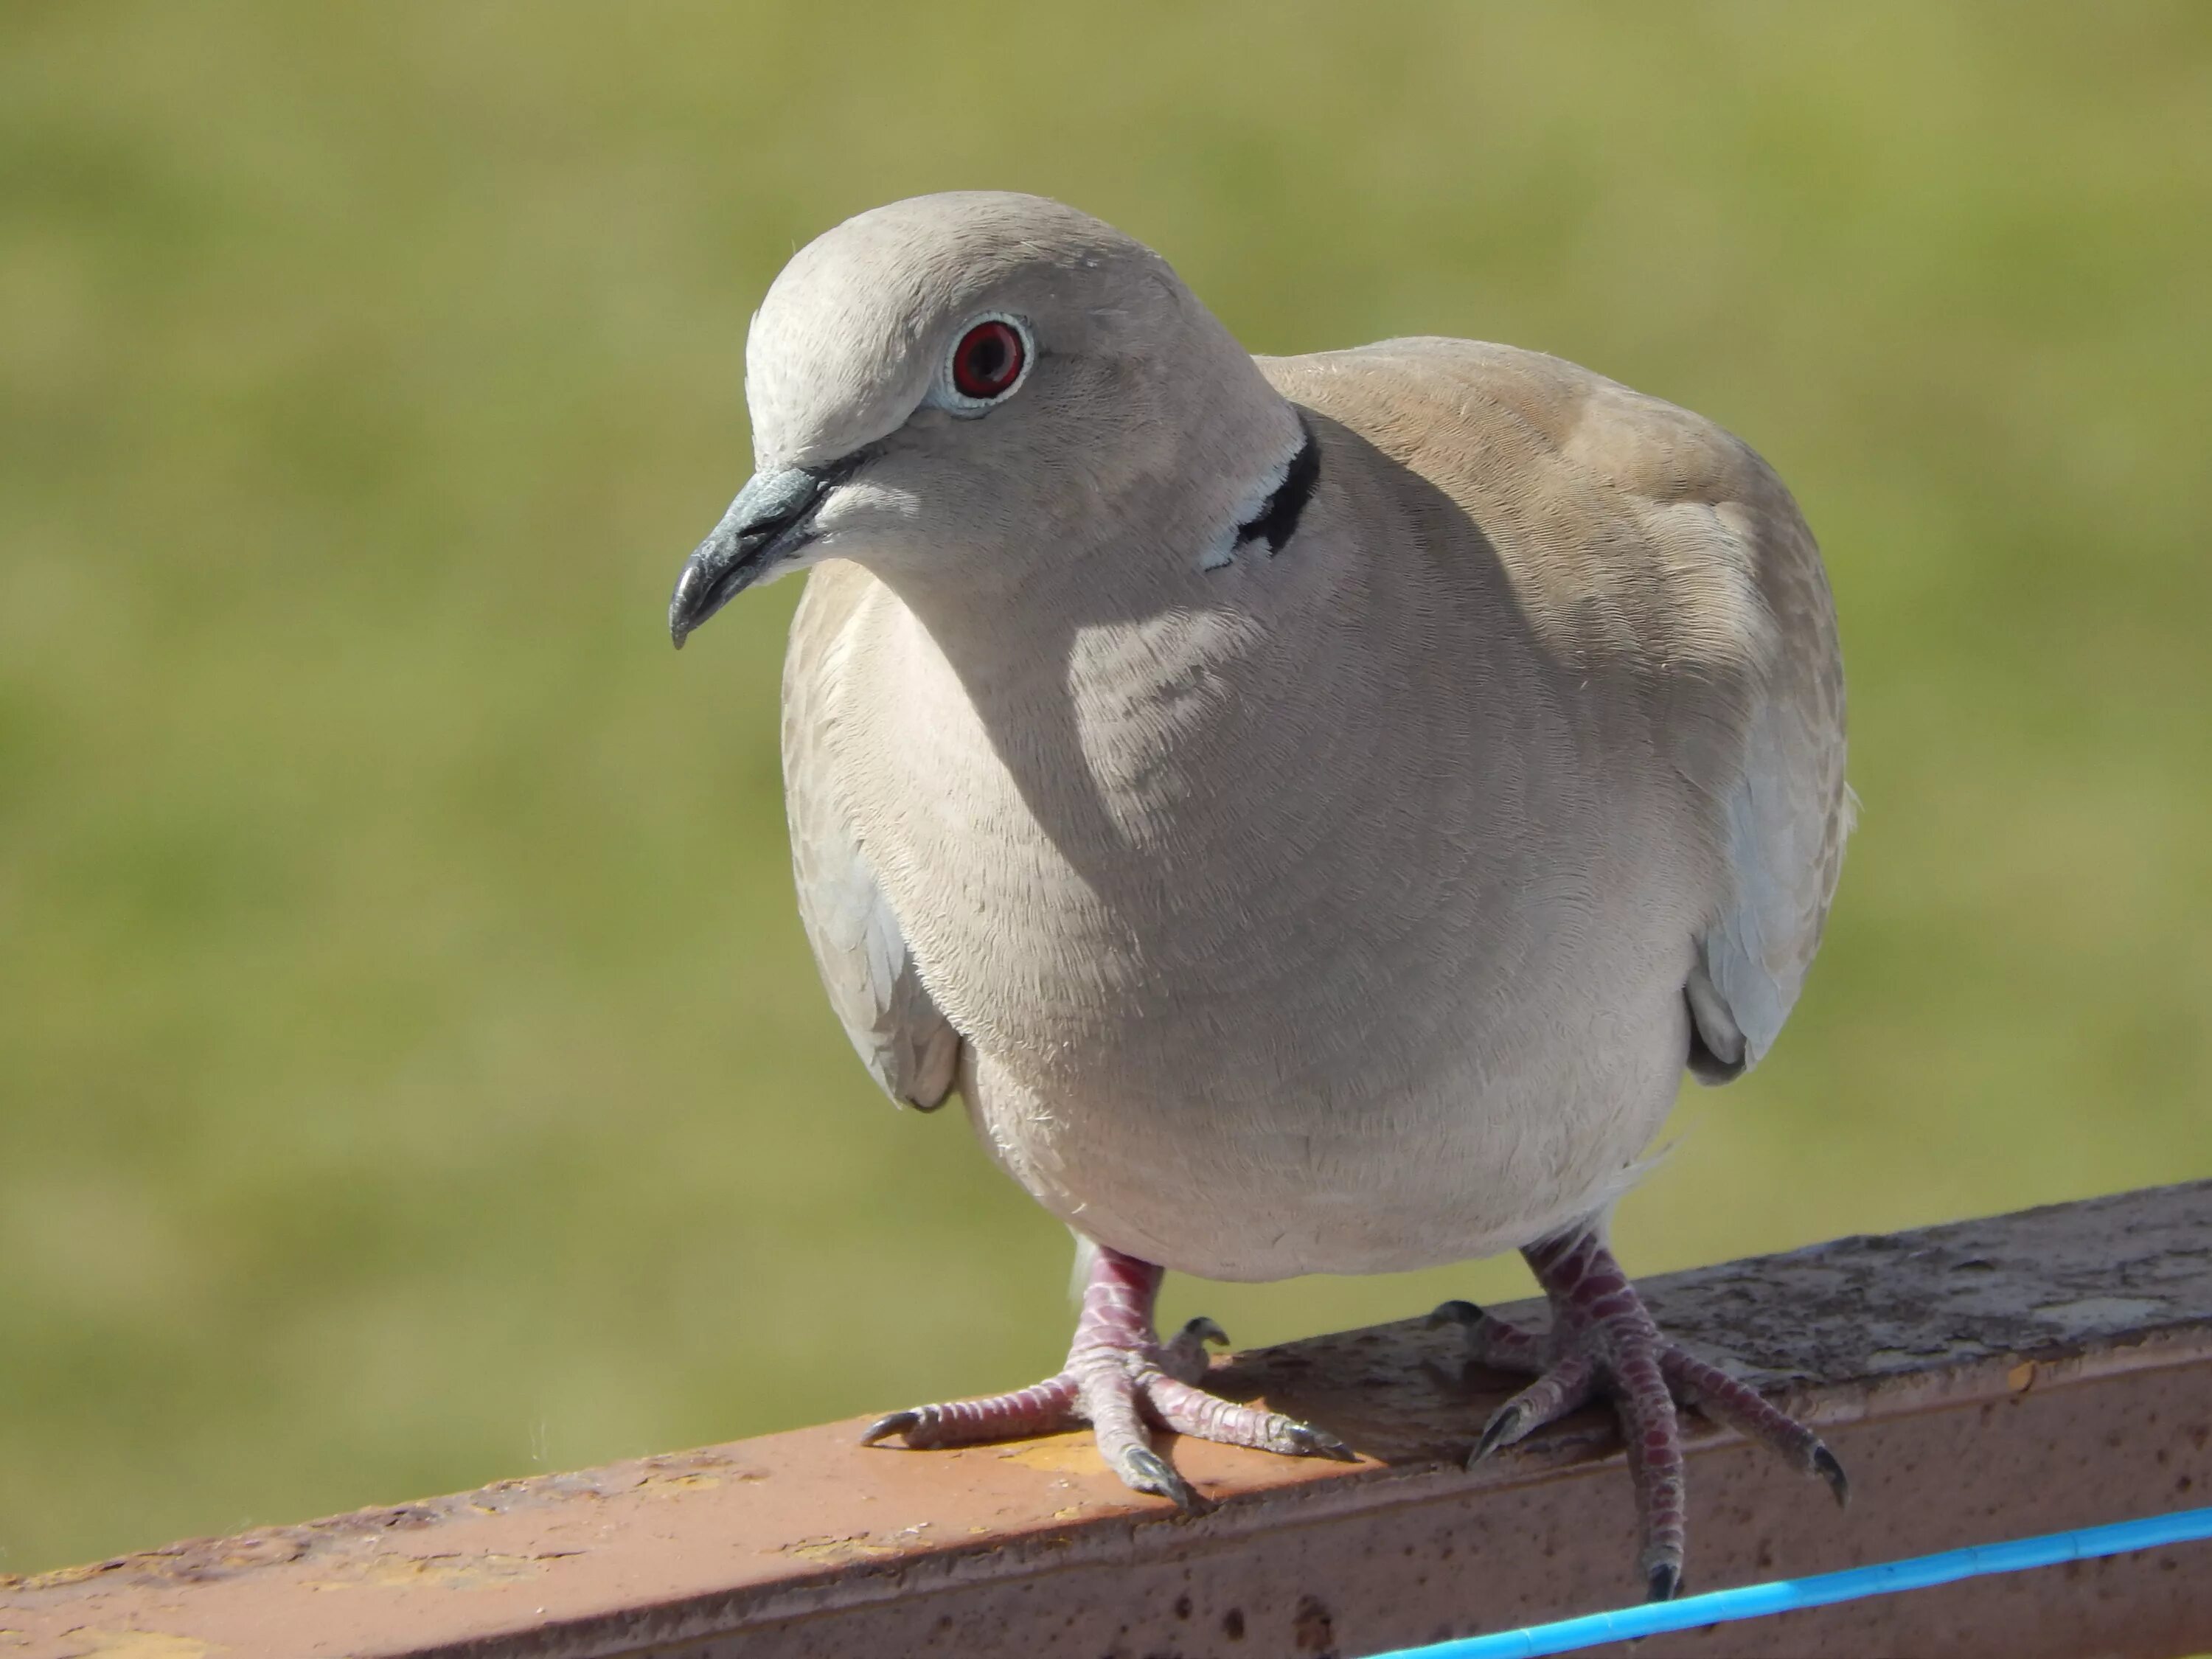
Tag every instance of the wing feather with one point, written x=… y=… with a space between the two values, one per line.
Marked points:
x=874 y=986
x=1785 y=808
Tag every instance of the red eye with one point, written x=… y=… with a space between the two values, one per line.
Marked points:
x=988 y=360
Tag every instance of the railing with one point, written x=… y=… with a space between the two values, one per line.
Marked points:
x=1984 y=1381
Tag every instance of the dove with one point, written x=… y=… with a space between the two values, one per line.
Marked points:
x=1311 y=811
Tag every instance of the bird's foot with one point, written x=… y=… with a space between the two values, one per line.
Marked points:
x=1118 y=1378
x=1603 y=1341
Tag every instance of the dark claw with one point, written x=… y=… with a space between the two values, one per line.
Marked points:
x=1825 y=1465
x=896 y=1423
x=1311 y=1442
x=1665 y=1581
x=1206 y=1331
x=1502 y=1429
x=1146 y=1470
x=1454 y=1313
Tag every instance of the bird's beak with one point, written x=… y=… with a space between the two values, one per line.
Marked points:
x=765 y=525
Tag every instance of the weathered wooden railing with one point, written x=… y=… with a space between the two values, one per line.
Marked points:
x=1988 y=1380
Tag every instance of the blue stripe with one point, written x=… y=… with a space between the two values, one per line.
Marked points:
x=1788 y=1595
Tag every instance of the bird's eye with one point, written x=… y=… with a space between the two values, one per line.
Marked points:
x=989 y=361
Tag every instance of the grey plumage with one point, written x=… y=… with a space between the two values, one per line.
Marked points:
x=1334 y=910
x=1349 y=906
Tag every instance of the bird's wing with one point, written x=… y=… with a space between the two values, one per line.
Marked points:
x=905 y=1043
x=1756 y=725
x=1787 y=811
x=1659 y=554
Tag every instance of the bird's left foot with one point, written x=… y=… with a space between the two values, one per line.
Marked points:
x=1603 y=1341
x=1120 y=1378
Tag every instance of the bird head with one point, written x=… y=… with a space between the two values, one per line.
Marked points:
x=972 y=386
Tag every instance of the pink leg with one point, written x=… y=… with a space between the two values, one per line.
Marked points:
x=1118 y=1376
x=1603 y=1341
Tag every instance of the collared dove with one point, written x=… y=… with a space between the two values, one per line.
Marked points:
x=1311 y=809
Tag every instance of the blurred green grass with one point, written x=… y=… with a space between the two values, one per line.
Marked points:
x=410 y=1070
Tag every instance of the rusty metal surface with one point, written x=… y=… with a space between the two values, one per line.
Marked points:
x=1991 y=1379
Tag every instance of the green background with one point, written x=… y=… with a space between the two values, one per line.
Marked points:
x=410 y=1069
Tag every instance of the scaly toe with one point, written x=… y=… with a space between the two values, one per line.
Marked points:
x=1453 y=1313
x=1043 y=1408
x=1183 y=1356
x=1568 y=1385
x=1145 y=1470
x=884 y=1427
x=1491 y=1341
x=1825 y=1465
x=1508 y=1424
x=1307 y=1440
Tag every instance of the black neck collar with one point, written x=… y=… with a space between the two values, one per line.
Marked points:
x=1276 y=520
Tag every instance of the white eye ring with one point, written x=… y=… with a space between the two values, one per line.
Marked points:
x=945 y=390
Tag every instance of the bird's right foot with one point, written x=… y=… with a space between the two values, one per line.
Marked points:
x=1603 y=1343
x=1119 y=1377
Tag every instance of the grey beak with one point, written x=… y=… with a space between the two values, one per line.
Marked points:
x=765 y=525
